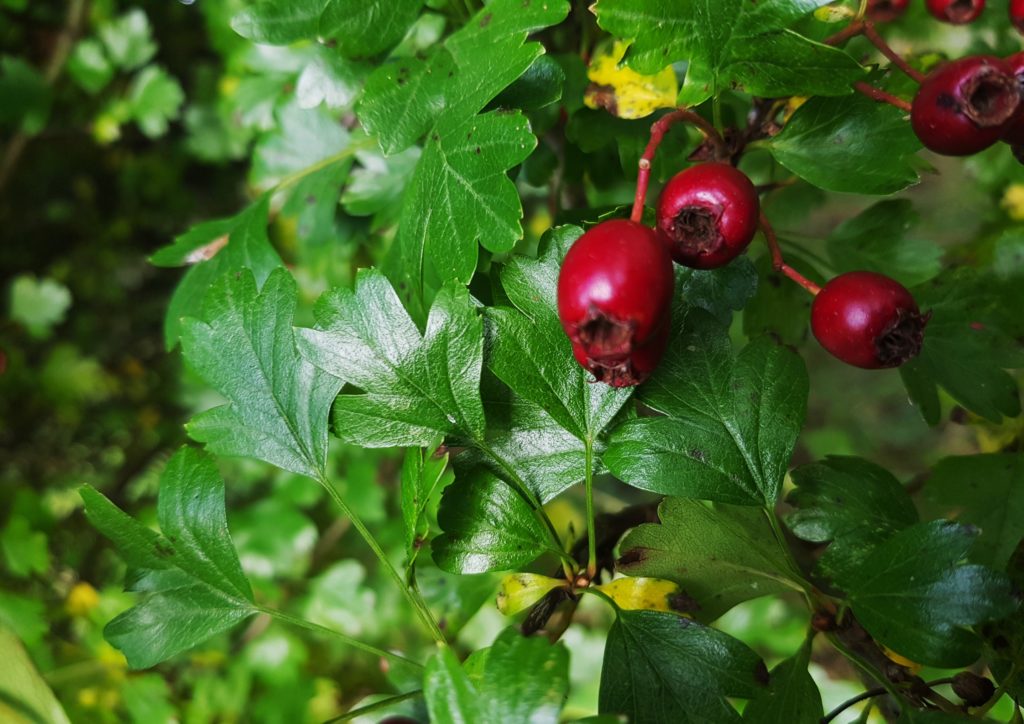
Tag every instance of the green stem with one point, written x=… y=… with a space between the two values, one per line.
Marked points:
x=414 y=598
x=349 y=150
x=869 y=670
x=375 y=706
x=591 y=524
x=354 y=643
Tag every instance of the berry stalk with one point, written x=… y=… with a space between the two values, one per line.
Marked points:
x=867 y=29
x=658 y=130
x=779 y=264
x=877 y=94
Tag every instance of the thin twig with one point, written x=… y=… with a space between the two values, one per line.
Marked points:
x=375 y=706
x=877 y=94
x=779 y=264
x=870 y=694
x=658 y=130
x=885 y=49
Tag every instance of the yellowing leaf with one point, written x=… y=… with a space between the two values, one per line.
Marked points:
x=1013 y=201
x=640 y=594
x=833 y=13
x=519 y=591
x=901 y=660
x=622 y=91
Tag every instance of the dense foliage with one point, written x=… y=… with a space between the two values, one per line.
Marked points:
x=291 y=428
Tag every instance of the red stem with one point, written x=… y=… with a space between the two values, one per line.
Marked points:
x=850 y=31
x=779 y=264
x=895 y=58
x=877 y=94
x=658 y=130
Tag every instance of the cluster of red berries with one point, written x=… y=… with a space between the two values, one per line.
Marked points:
x=957 y=12
x=969 y=104
x=616 y=285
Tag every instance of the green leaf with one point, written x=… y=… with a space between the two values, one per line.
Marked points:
x=524 y=438
x=986 y=491
x=791 y=697
x=245 y=349
x=875 y=240
x=730 y=423
x=279 y=22
x=851 y=502
x=377 y=184
x=478 y=61
x=460 y=197
x=27 y=98
x=911 y=594
x=532 y=355
x=450 y=695
x=38 y=305
x=487 y=525
x=539 y=87
x=413 y=388
x=730 y=43
x=849 y=144
x=89 y=67
x=24 y=549
x=156 y=99
x=720 y=555
x=24 y=695
x=967 y=345
x=519 y=679
x=422 y=472
x=214 y=248
x=662 y=667
x=128 y=40
x=329 y=79
x=719 y=292
x=367 y=27
x=192 y=583
x=779 y=308
x=302 y=138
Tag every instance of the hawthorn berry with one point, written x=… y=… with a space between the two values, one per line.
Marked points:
x=1014 y=131
x=708 y=214
x=884 y=11
x=963 y=106
x=614 y=301
x=868 y=320
x=958 y=12
x=1017 y=14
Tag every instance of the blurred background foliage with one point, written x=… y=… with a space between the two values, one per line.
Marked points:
x=123 y=124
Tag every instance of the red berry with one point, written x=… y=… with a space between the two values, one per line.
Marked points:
x=1014 y=131
x=868 y=320
x=708 y=215
x=615 y=300
x=1017 y=14
x=883 y=11
x=958 y=12
x=963 y=106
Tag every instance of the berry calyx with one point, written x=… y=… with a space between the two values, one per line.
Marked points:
x=615 y=299
x=1017 y=14
x=957 y=12
x=868 y=320
x=708 y=215
x=1014 y=131
x=963 y=106
x=884 y=11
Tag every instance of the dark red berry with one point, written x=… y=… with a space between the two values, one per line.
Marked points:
x=958 y=12
x=884 y=11
x=973 y=689
x=615 y=300
x=1017 y=14
x=963 y=106
x=1014 y=131
x=708 y=215
x=868 y=320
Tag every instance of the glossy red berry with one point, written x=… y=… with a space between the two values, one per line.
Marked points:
x=868 y=320
x=1014 y=131
x=708 y=215
x=1017 y=14
x=884 y=11
x=963 y=106
x=958 y=12
x=615 y=300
